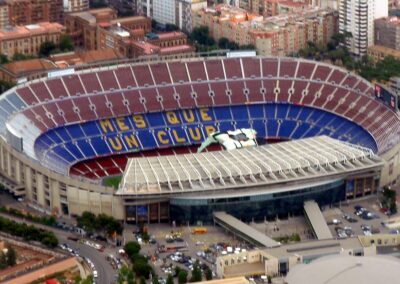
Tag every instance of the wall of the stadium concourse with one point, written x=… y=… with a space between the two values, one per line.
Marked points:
x=391 y=171
x=54 y=192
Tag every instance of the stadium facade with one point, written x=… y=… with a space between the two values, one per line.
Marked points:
x=62 y=135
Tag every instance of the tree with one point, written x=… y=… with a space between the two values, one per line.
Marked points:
x=125 y=275
x=3 y=59
x=155 y=280
x=196 y=273
x=87 y=221
x=201 y=36
x=66 y=43
x=182 y=277
x=142 y=268
x=47 y=48
x=3 y=260
x=19 y=56
x=170 y=279
x=11 y=256
x=208 y=274
x=131 y=248
x=223 y=42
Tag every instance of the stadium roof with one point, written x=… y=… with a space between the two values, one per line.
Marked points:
x=246 y=167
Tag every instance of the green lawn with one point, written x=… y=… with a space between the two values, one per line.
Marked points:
x=112 y=181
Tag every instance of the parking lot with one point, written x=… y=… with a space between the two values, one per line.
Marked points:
x=192 y=247
x=372 y=223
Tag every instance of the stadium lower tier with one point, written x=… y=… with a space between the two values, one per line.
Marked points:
x=248 y=206
x=71 y=144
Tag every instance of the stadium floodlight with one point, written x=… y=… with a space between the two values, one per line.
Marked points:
x=231 y=139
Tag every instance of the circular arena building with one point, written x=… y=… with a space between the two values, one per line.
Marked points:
x=64 y=136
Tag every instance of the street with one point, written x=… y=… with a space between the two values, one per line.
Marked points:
x=106 y=274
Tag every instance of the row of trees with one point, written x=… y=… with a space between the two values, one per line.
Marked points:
x=337 y=53
x=202 y=40
x=101 y=223
x=8 y=259
x=197 y=274
x=45 y=220
x=28 y=232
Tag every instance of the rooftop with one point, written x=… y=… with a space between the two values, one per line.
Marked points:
x=267 y=164
x=346 y=269
x=24 y=31
x=19 y=68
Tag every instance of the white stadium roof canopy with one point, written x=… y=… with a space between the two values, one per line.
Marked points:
x=246 y=167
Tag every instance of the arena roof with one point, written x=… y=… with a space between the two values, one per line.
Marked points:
x=338 y=269
x=267 y=164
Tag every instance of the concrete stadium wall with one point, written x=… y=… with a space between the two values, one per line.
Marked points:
x=50 y=190
x=391 y=171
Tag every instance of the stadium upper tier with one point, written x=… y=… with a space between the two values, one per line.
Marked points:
x=93 y=113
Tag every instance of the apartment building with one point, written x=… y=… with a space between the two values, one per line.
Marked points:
x=28 y=39
x=277 y=36
x=82 y=26
x=4 y=20
x=76 y=5
x=357 y=17
x=387 y=32
x=25 y=12
x=184 y=10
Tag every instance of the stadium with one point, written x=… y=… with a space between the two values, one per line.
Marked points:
x=322 y=132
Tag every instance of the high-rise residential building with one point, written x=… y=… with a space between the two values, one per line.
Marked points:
x=76 y=5
x=164 y=11
x=28 y=39
x=25 y=12
x=184 y=13
x=387 y=32
x=145 y=8
x=357 y=18
x=4 y=19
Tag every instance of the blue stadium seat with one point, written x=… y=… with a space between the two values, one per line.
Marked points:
x=259 y=126
x=85 y=147
x=61 y=152
x=242 y=124
x=75 y=131
x=63 y=134
x=240 y=112
x=300 y=130
x=156 y=119
x=74 y=151
x=286 y=128
x=147 y=139
x=270 y=111
x=91 y=128
x=281 y=110
x=272 y=128
x=256 y=111
x=100 y=146
x=222 y=113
